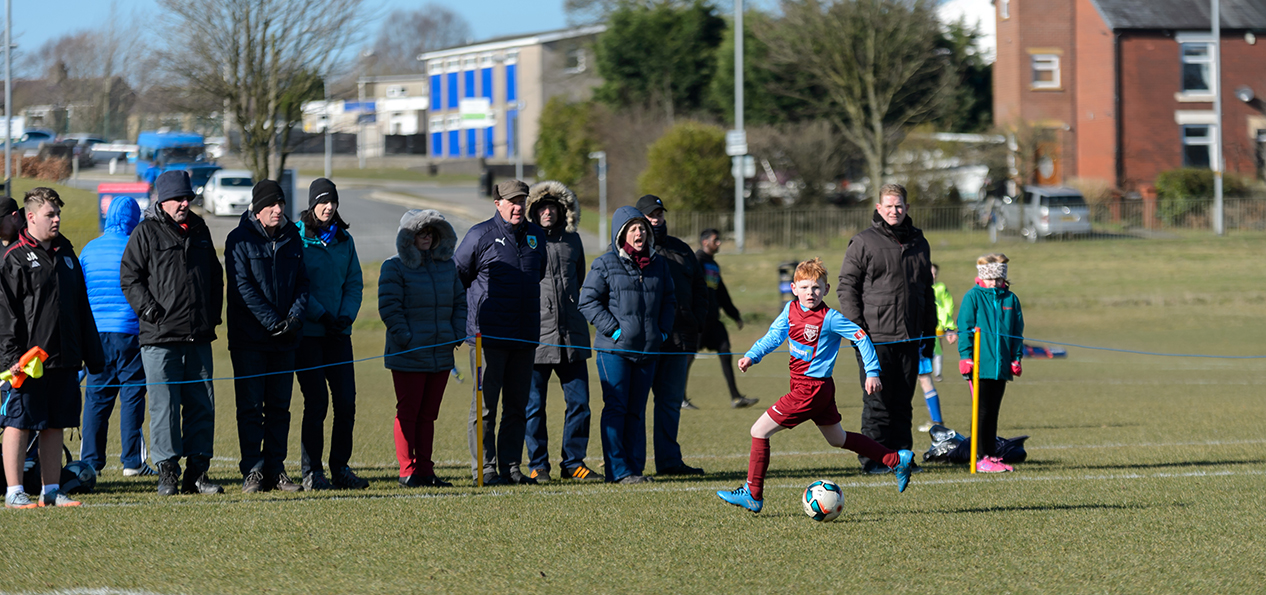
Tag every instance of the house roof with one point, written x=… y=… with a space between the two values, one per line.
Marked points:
x=1180 y=14
x=513 y=41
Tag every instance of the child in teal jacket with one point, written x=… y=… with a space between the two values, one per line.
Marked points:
x=992 y=307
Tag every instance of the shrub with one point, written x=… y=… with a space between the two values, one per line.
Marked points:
x=562 y=149
x=1187 y=191
x=688 y=168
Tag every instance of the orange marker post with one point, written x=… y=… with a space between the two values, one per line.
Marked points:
x=479 y=398
x=975 y=394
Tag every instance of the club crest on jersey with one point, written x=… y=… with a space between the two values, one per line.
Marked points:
x=70 y=262
x=531 y=242
x=859 y=335
x=811 y=332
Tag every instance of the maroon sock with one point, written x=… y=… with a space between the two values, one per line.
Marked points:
x=757 y=463
x=870 y=449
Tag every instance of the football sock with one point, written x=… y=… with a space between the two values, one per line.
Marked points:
x=756 y=466
x=870 y=449
x=934 y=405
x=11 y=490
x=52 y=488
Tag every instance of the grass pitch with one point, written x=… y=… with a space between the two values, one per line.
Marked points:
x=1145 y=473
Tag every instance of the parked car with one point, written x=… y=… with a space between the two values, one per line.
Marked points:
x=83 y=144
x=1045 y=211
x=227 y=192
x=29 y=144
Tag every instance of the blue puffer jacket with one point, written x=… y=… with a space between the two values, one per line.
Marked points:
x=335 y=282
x=420 y=298
x=100 y=260
x=618 y=296
x=501 y=268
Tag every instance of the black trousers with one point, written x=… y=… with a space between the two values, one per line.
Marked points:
x=341 y=380
x=991 y=392
x=262 y=385
x=887 y=414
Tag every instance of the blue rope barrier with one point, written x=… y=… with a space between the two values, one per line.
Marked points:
x=1113 y=349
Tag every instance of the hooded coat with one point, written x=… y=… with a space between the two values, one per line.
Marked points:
x=420 y=298
x=268 y=283
x=997 y=312
x=176 y=271
x=101 y=259
x=639 y=303
x=501 y=268
x=561 y=320
x=886 y=284
x=335 y=281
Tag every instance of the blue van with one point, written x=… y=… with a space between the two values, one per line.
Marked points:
x=158 y=152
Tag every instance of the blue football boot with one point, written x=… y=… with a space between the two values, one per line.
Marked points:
x=741 y=497
x=903 y=469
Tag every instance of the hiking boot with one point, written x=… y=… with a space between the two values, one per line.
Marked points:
x=254 y=482
x=634 y=479
x=903 y=469
x=682 y=469
x=583 y=473
x=424 y=481
x=143 y=471
x=742 y=402
x=18 y=500
x=58 y=498
x=518 y=477
x=686 y=405
x=199 y=484
x=992 y=465
x=315 y=480
x=540 y=475
x=168 y=476
x=344 y=478
x=741 y=498
x=285 y=484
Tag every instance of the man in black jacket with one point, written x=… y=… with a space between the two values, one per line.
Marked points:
x=268 y=293
x=692 y=309
x=714 y=336
x=173 y=280
x=45 y=305
x=886 y=288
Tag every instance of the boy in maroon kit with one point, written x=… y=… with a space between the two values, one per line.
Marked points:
x=814 y=332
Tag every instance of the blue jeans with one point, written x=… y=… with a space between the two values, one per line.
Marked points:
x=575 y=380
x=122 y=366
x=625 y=386
x=181 y=403
x=670 y=390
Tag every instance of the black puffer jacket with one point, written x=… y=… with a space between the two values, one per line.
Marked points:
x=561 y=320
x=45 y=304
x=177 y=271
x=690 y=290
x=268 y=283
x=886 y=285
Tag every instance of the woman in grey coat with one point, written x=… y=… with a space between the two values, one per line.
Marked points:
x=423 y=304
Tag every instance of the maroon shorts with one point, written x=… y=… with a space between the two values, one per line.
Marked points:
x=809 y=399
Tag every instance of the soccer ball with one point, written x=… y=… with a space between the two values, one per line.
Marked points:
x=823 y=501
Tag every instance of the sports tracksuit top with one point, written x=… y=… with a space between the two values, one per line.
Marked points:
x=814 y=337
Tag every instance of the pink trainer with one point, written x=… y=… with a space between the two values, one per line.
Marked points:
x=992 y=465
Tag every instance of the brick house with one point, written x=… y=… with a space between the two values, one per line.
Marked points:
x=1121 y=90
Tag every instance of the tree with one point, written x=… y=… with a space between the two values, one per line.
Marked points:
x=763 y=103
x=688 y=168
x=970 y=106
x=661 y=54
x=407 y=33
x=873 y=65
x=262 y=58
x=566 y=138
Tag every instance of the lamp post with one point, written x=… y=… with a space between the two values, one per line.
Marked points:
x=519 y=106
x=1218 y=222
x=329 y=140
x=740 y=223
x=8 y=96
x=601 y=156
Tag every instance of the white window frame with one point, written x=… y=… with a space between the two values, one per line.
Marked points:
x=1200 y=95
x=468 y=62
x=436 y=124
x=453 y=122
x=1044 y=63
x=512 y=57
x=452 y=64
x=435 y=66
x=485 y=60
x=579 y=53
x=1004 y=9
x=1209 y=140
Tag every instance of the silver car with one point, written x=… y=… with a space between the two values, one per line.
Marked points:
x=1046 y=211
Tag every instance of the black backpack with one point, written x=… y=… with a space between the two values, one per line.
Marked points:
x=949 y=446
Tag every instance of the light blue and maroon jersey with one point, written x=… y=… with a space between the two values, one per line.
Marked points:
x=814 y=337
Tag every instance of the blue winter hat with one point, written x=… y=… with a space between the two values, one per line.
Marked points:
x=173 y=185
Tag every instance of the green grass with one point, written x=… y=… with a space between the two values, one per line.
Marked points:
x=399 y=174
x=1145 y=474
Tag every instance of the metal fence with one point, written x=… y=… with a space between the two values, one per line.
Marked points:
x=832 y=227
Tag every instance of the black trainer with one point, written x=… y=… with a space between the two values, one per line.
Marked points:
x=254 y=482
x=199 y=484
x=682 y=469
x=634 y=479
x=517 y=476
x=285 y=484
x=168 y=476
x=315 y=480
x=424 y=481
x=345 y=479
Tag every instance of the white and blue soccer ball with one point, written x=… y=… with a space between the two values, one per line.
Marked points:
x=823 y=501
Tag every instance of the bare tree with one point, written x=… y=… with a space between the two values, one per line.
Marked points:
x=263 y=58
x=407 y=33
x=872 y=68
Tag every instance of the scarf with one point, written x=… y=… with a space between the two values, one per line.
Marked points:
x=641 y=259
x=327 y=233
x=902 y=231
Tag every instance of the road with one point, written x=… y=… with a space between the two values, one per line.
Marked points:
x=371 y=207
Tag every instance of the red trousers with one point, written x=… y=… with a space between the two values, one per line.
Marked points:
x=418 y=396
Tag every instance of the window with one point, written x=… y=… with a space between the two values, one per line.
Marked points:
x=455 y=122
x=451 y=64
x=435 y=66
x=1197 y=66
x=1045 y=71
x=512 y=56
x=575 y=62
x=485 y=60
x=1004 y=8
x=468 y=63
x=436 y=123
x=1197 y=146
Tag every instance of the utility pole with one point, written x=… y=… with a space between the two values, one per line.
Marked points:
x=329 y=140
x=601 y=156
x=1218 y=164
x=518 y=141
x=8 y=97
x=740 y=224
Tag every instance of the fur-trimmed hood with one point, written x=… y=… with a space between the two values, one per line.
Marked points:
x=411 y=223
x=555 y=191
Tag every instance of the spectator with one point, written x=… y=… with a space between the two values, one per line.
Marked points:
x=501 y=262
x=268 y=295
x=423 y=304
x=628 y=297
x=714 y=335
x=886 y=288
x=118 y=328
x=12 y=221
x=691 y=294
x=325 y=351
x=46 y=306
x=991 y=307
x=564 y=336
x=172 y=278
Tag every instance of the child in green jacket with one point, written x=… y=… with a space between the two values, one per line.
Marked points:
x=992 y=307
x=930 y=369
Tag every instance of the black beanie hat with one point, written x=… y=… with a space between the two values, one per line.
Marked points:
x=266 y=194
x=321 y=190
x=172 y=185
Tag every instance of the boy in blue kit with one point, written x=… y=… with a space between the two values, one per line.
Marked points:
x=813 y=331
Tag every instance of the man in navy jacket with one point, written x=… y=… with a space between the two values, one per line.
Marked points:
x=501 y=264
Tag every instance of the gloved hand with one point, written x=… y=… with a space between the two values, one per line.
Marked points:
x=343 y=323
x=616 y=335
x=964 y=367
x=327 y=320
x=152 y=313
x=1015 y=368
x=285 y=328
